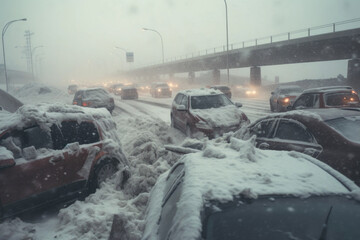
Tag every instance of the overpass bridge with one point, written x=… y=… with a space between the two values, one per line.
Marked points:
x=331 y=44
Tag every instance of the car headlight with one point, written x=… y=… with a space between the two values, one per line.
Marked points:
x=203 y=125
x=159 y=90
x=286 y=100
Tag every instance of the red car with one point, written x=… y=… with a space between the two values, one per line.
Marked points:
x=55 y=153
x=206 y=111
x=327 y=97
x=330 y=135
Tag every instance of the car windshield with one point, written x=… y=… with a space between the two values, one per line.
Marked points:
x=285 y=218
x=349 y=127
x=341 y=99
x=209 y=101
x=290 y=91
x=96 y=94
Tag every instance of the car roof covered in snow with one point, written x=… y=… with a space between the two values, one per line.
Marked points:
x=222 y=171
x=321 y=114
x=329 y=89
x=43 y=114
x=201 y=92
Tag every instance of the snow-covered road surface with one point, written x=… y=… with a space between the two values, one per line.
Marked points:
x=144 y=128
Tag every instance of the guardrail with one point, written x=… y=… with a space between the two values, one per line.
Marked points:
x=308 y=32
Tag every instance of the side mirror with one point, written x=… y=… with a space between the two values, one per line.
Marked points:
x=181 y=108
x=238 y=104
x=5 y=163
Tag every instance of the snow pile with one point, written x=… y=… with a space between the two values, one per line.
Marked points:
x=39 y=92
x=223 y=170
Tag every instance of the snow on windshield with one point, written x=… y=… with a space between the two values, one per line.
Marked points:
x=210 y=101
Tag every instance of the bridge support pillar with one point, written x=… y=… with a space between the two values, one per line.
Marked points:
x=216 y=76
x=255 y=76
x=191 y=77
x=353 y=73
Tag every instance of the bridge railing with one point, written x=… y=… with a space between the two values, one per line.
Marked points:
x=308 y=32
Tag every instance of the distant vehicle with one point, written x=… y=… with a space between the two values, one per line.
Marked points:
x=327 y=97
x=244 y=92
x=129 y=92
x=204 y=197
x=224 y=89
x=116 y=88
x=94 y=98
x=283 y=96
x=206 y=111
x=72 y=88
x=58 y=154
x=160 y=89
x=331 y=135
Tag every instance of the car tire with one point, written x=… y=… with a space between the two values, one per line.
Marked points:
x=105 y=169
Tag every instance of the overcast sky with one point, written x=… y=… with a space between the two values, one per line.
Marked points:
x=79 y=36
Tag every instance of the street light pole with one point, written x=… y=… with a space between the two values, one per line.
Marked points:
x=3 y=47
x=162 y=43
x=227 y=43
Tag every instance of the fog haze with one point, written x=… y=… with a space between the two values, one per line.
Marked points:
x=79 y=37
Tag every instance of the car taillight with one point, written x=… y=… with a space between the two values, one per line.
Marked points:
x=75 y=103
x=86 y=104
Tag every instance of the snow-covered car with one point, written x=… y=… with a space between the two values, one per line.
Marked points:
x=206 y=111
x=284 y=96
x=330 y=135
x=55 y=153
x=129 y=92
x=160 y=89
x=327 y=97
x=94 y=98
x=235 y=191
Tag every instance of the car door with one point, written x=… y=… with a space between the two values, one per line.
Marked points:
x=291 y=135
x=307 y=101
x=38 y=172
x=178 y=116
x=79 y=144
x=263 y=131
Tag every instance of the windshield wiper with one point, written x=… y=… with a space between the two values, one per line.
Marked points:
x=325 y=225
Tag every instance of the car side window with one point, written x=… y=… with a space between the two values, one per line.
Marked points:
x=169 y=209
x=178 y=99
x=292 y=130
x=184 y=101
x=37 y=137
x=263 y=128
x=88 y=133
x=307 y=101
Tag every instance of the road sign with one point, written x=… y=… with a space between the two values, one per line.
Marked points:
x=129 y=57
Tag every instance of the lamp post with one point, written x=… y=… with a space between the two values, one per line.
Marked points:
x=124 y=50
x=227 y=43
x=3 y=46
x=162 y=44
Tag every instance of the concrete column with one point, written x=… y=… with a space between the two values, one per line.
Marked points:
x=255 y=76
x=191 y=77
x=216 y=76
x=353 y=73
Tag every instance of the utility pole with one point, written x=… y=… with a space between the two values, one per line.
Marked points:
x=29 y=52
